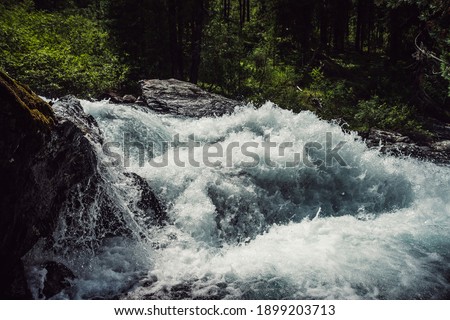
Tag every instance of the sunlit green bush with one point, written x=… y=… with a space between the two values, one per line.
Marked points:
x=375 y=113
x=57 y=53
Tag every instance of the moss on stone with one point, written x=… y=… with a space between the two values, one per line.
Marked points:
x=21 y=103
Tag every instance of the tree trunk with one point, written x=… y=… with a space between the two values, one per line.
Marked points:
x=394 y=34
x=176 y=29
x=340 y=24
x=359 y=23
x=370 y=24
x=323 y=17
x=180 y=29
x=248 y=10
x=225 y=15
x=197 y=30
x=172 y=37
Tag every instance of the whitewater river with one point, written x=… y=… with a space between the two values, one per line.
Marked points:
x=248 y=226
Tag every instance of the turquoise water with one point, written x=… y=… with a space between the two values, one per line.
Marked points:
x=377 y=227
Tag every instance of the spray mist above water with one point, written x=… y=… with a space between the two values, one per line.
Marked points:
x=377 y=227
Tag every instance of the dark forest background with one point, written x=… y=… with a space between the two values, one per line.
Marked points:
x=367 y=63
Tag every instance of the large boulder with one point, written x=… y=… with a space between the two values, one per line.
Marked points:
x=71 y=167
x=94 y=206
x=45 y=156
x=53 y=184
x=57 y=278
x=26 y=124
x=183 y=98
x=394 y=143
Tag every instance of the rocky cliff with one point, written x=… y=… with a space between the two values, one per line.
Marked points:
x=51 y=178
x=26 y=125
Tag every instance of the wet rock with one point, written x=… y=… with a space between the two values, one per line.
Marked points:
x=150 y=281
x=394 y=143
x=183 y=98
x=88 y=212
x=181 y=291
x=386 y=137
x=128 y=98
x=91 y=211
x=57 y=278
x=17 y=285
x=442 y=145
x=147 y=206
x=114 y=97
x=140 y=101
x=51 y=182
x=69 y=110
x=26 y=123
x=188 y=290
x=111 y=96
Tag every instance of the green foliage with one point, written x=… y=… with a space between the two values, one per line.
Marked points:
x=336 y=99
x=398 y=117
x=329 y=98
x=57 y=53
x=222 y=55
x=435 y=14
x=243 y=61
x=445 y=65
x=141 y=33
x=267 y=58
x=27 y=107
x=348 y=60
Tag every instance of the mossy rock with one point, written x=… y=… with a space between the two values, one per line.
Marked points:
x=26 y=125
x=27 y=108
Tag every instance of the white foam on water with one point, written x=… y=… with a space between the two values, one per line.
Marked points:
x=377 y=228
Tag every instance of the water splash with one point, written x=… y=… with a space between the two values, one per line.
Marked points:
x=378 y=228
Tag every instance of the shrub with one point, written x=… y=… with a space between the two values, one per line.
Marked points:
x=374 y=113
x=57 y=53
